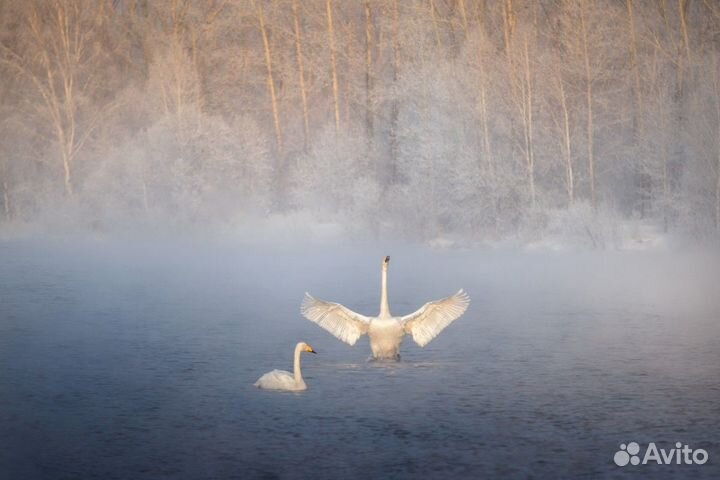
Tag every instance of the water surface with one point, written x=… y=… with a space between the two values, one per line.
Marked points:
x=136 y=360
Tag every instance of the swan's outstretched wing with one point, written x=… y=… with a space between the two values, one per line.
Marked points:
x=342 y=322
x=433 y=317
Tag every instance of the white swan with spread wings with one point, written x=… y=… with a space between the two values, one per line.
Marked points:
x=385 y=331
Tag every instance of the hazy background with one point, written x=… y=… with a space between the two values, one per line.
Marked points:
x=174 y=175
x=457 y=119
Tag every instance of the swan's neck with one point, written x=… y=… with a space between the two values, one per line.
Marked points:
x=296 y=365
x=384 y=307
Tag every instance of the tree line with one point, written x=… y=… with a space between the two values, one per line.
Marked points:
x=421 y=118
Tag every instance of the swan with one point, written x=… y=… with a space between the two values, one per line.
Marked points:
x=385 y=331
x=282 y=380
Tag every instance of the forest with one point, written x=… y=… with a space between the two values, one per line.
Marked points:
x=422 y=119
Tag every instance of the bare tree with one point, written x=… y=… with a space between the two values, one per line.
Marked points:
x=333 y=62
x=270 y=79
x=566 y=142
x=527 y=108
x=589 y=105
x=368 y=70
x=522 y=106
x=61 y=58
x=635 y=67
x=301 y=74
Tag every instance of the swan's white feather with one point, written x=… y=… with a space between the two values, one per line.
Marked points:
x=282 y=380
x=337 y=319
x=278 y=380
x=426 y=323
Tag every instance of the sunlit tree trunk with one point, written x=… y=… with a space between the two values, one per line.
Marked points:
x=508 y=28
x=665 y=121
x=528 y=120
x=349 y=55
x=199 y=100
x=664 y=159
x=487 y=148
x=6 y=200
x=639 y=115
x=270 y=79
x=716 y=78
x=64 y=45
x=142 y=173
x=436 y=29
x=394 y=108
x=301 y=75
x=682 y=13
x=67 y=160
x=61 y=45
x=333 y=63
x=463 y=16
x=567 y=151
x=665 y=193
x=368 y=72
x=589 y=105
x=717 y=185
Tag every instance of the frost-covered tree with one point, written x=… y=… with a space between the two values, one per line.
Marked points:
x=469 y=118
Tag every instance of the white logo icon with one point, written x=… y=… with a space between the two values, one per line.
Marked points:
x=627 y=454
x=681 y=454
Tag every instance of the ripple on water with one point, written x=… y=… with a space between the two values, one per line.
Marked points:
x=125 y=371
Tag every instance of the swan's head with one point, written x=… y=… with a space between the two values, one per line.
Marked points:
x=386 y=263
x=308 y=348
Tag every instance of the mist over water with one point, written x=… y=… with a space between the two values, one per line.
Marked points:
x=176 y=174
x=136 y=359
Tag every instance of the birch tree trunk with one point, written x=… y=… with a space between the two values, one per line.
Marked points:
x=717 y=186
x=665 y=122
x=395 y=108
x=333 y=63
x=487 y=149
x=463 y=15
x=6 y=200
x=368 y=72
x=199 y=99
x=349 y=55
x=436 y=29
x=270 y=79
x=529 y=147
x=60 y=104
x=716 y=78
x=567 y=151
x=682 y=6
x=301 y=75
x=508 y=28
x=635 y=70
x=589 y=104
x=62 y=37
x=665 y=192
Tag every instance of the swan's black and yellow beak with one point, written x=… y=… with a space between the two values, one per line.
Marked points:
x=309 y=349
x=387 y=259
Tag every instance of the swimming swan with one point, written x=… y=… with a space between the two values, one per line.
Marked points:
x=282 y=380
x=385 y=331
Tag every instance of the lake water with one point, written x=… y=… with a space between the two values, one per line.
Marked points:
x=136 y=359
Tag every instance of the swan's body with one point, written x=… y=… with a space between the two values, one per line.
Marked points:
x=385 y=331
x=282 y=380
